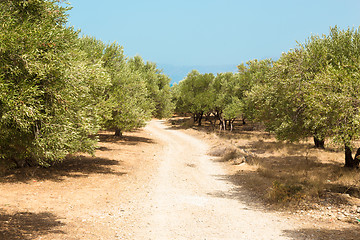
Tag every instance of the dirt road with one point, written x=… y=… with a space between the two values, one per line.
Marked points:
x=188 y=197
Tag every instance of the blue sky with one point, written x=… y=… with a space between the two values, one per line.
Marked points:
x=209 y=35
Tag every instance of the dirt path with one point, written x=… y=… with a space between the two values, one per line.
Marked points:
x=188 y=199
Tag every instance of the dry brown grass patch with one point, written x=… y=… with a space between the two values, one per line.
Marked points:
x=297 y=172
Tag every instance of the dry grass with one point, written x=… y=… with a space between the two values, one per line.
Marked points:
x=297 y=171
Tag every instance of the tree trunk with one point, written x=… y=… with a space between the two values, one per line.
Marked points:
x=319 y=143
x=207 y=117
x=200 y=118
x=350 y=162
x=217 y=115
x=357 y=157
x=231 y=124
x=118 y=133
x=223 y=123
x=212 y=123
x=22 y=163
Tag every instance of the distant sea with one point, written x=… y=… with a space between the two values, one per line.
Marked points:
x=178 y=73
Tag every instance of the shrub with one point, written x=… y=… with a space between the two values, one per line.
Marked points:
x=287 y=192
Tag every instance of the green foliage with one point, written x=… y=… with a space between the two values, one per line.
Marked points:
x=138 y=91
x=222 y=96
x=253 y=75
x=57 y=90
x=311 y=91
x=280 y=101
x=157 y=84
x=337 y=85
x=234 y=109
x=164 y=107
x=128 y=100
x=46 y=111
x=225 y=87
x=195 y=94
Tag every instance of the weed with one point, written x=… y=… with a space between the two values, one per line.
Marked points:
x=266 y=172
x=229 y=155
x=280 y=192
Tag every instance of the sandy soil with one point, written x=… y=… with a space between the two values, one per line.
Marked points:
x=82 y=198
x=156 y=183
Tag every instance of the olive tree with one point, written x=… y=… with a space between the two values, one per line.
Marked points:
x=129 y=99
x=47 y=108
x=336 y=88
x=313 y=91
x=196 y=95
x=157 y=84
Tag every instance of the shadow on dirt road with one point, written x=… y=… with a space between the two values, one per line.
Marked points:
x=28 y=225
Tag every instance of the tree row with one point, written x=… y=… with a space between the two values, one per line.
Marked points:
x=310 y=91
x=57 y=89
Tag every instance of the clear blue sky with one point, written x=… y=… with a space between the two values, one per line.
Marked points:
x=215 y=35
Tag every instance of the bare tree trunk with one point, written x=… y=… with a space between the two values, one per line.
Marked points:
x=118 y=133
x=243 y=120
x=357 y=157
x=231 y=124
x=319 y=143
x=223 y=122
x=351 y=162
x=200 y=118
x=21 y=163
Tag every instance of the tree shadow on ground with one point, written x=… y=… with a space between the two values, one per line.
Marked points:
x=124 y=140
x=250 y=191
x=72 y=166
x=240 y=194
x=257 y=175
x=75 y=166
x=246 y=191
x=178 y=123
x=268 y=160
x=212 y=125
x=270 y=146
x=324 y=234
x=28 y=225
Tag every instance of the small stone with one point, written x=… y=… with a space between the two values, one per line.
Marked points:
x=354 y=208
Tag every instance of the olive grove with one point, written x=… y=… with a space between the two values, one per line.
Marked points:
x=58 y=89
x=310 y=91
